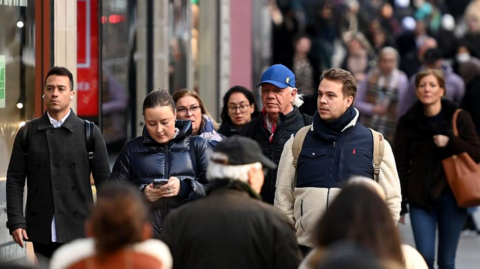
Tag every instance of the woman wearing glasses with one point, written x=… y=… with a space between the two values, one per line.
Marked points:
x=166 y=163
x=238 y=109
x=190 y=107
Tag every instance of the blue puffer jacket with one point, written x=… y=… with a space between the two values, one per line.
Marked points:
x=142 y=160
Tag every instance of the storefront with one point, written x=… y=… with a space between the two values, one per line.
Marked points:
x=23 y=56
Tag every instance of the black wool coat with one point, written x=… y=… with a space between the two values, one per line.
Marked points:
x=57 y=171
x=419 y=160
x=230 y=229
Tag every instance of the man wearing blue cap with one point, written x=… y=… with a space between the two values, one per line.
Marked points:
x=280 y=119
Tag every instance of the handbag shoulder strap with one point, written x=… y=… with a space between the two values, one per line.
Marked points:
x=454 y=121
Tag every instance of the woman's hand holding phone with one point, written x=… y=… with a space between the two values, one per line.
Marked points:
x=162 y=188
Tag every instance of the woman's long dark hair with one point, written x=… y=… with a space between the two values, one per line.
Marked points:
x=118 y=218
x=248 y=94
x=359 y=215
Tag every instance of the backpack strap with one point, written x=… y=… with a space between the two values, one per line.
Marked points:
x=90 y=138
x=378 y=150
x=298 y=143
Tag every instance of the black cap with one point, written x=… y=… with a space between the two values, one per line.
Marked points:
x=432 y=55
x=239 y=150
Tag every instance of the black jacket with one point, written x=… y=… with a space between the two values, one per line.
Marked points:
x=286 y=126
x=230 y=229
x=227 y=129
x=58 y=179
x=419 y=161
x=143 y=159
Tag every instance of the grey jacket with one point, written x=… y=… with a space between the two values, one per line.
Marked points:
x=57 y=171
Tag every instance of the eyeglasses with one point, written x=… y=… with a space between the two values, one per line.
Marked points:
x=242 y=108
x=183 y=110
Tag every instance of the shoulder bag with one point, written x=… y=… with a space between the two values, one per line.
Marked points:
x=463 y=175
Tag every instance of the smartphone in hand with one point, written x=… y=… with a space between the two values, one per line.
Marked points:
x=158 y=182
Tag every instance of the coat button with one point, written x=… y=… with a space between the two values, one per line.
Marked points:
x=72 y=165
x=55 y=165
x=74 y=189
x=36 y=190
x=37 y=167
x=75 y=213
x=33 y=214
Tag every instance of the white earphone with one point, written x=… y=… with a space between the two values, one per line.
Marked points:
x=43 y=96
x=71 y=97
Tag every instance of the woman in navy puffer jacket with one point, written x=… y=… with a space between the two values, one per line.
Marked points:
x=166 y=150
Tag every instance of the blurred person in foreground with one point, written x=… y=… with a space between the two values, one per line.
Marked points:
x=238 y=109
x=347 y=255
x=166 y=150
x=190 y=107
x=424 y=137
x=346 y=221
x=231 y=227
x=279 y=119
x=379 y=96
x=119 y=232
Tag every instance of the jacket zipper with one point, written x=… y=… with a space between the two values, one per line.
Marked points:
x=332 y=164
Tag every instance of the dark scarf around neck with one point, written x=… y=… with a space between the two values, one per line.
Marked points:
x=330 y=130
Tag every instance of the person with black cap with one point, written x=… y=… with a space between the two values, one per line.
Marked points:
x=454 y=85
x=279 y=119
x=231 y=227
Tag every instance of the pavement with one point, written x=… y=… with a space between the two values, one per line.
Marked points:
x=468 y=253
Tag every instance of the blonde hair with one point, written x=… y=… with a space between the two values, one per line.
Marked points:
x=186 y=92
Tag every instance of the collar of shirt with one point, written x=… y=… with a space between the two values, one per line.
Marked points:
x=55 y=123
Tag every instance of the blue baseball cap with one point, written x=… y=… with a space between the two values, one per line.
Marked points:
x=278 y=75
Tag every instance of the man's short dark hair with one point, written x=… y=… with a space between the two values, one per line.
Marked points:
x=60 y=71
x=349 y=83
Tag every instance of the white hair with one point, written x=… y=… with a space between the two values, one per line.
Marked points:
x=298 y=101
x=232 y=172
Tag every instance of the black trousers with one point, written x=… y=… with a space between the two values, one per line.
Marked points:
x=45 y=251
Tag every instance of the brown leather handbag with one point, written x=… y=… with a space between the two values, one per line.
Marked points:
x=463 y=174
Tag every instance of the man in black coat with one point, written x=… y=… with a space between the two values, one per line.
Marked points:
x=231 y=227
x=51 y=155
x=280 y=118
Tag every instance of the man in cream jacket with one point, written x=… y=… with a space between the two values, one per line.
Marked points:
x=335 y=148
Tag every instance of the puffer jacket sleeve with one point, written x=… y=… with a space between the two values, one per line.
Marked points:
x=388 y=179
x=121 y=168
x=198 y=185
